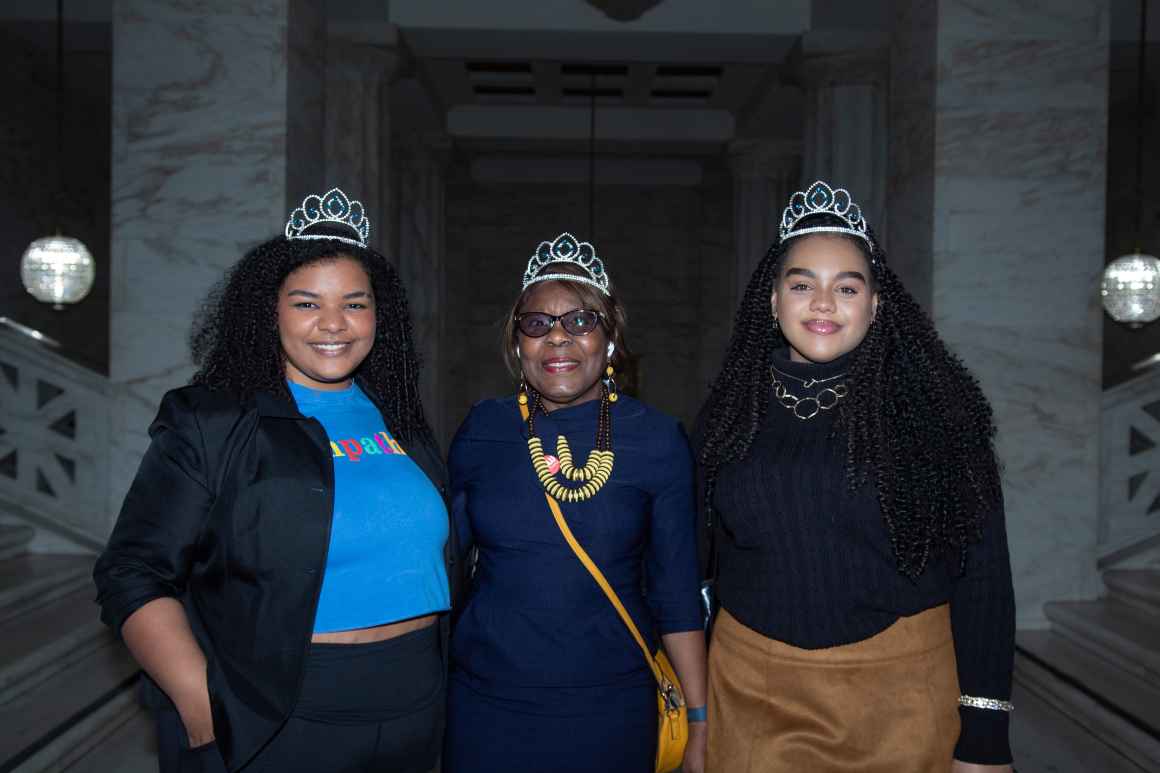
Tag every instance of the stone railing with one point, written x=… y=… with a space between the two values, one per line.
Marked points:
x=1130 y=470
x=54 y=441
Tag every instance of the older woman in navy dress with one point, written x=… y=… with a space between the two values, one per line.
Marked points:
x=545 y=675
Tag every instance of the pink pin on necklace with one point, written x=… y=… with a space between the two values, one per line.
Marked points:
x=553 y=463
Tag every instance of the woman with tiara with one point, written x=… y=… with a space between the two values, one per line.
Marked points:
x=856 y=525
x=280 y=565
x=546 y=675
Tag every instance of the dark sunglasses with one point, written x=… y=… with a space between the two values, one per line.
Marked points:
x=578 y=322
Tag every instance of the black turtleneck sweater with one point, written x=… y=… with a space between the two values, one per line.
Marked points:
x=803 y=560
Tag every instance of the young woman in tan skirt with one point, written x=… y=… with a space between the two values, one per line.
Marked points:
x=855 y=523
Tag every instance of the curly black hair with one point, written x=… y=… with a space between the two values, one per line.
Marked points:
x=236 y=345
x=916 y=424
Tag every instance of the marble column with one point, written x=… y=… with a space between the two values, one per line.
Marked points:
x=910 y=184
x=358 y=129
x=846 y=127
x=420 y=166
x=217 y=130
x=999 y=120
x=765 y=174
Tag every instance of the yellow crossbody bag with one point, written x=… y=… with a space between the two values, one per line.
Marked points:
x=673 y=724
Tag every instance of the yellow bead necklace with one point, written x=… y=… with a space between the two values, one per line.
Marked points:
x=596 y=470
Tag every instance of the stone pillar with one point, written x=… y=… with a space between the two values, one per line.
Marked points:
x=358 y=129
x=846 y=134
x=910 y=184
x=217 y=131
x=999 y=121
x=765 y=175
x=420 y=165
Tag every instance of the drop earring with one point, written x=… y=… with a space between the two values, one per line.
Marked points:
x=522 y=392
x=609 y=381
x=610 y=384
x=776 y=324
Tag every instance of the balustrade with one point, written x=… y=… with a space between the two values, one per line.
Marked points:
x=54 y=440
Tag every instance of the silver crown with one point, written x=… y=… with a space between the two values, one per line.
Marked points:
x=566 y=249
x=331 y=207
x=821 y=199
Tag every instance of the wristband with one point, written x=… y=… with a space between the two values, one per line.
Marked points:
x=993 y=704
x=697 y=713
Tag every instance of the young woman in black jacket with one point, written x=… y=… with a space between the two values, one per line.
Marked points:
x=280 y=567
x=846 y=459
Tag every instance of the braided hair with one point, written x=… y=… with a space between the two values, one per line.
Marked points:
x=916 y=425
x=236 y=344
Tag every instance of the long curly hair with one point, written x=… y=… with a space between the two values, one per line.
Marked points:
x=236 y=345
x=916 y=425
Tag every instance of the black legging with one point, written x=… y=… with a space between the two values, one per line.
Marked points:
x=364 y=708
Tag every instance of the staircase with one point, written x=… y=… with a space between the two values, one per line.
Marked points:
x=66 y=683
x=1099 y=665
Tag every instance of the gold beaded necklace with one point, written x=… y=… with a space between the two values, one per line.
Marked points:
x=595 y=472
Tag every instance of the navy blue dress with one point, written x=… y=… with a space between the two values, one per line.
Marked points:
x=544 y=674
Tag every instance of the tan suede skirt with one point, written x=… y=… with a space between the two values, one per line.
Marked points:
x=888 y=704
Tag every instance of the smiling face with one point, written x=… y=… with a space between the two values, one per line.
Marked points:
x=326 y=322
x=565 y=369
x=823 y=298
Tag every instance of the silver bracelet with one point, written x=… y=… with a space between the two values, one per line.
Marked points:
x=985 y=703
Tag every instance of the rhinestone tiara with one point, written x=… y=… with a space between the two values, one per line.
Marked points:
x=566 y=249
x=331 y=207
x=821 y=199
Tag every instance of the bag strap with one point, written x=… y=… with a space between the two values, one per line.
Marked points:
x=598 y=576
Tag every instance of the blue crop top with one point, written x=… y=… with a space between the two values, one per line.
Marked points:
x=389 y=525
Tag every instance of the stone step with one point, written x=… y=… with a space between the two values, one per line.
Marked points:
x=1123 y=635
x=70 y=713
x=129 y=748
x=49 y=639
x=1114 y=705
x=1140 y=587
x=30 y=581
x=1046 y=740
x=14 y=539
x=1140 y=546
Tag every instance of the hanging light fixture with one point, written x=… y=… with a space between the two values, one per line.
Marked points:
x=58 y=269
x=1130 y=288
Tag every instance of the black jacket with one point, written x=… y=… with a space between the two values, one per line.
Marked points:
x=230 y=512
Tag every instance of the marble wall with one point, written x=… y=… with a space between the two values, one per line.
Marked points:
x=717 y=298
x=765 y=174
x=217 y=111
x=668 y=249
x=1009 y=170
x=910 y=182
x=358 y=130
x=846 y=140
x=417 y=176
